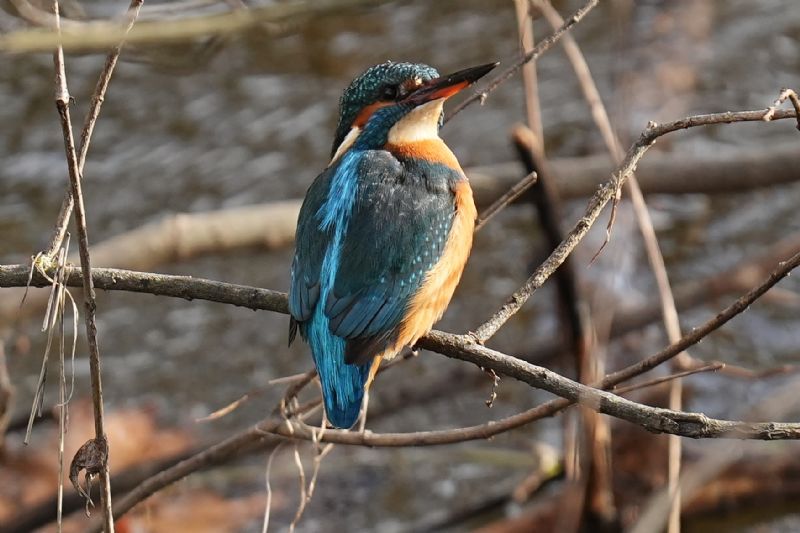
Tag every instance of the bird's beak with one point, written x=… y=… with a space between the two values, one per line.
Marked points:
x=447 y=86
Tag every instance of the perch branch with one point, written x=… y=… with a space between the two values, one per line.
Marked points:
x=461 y=347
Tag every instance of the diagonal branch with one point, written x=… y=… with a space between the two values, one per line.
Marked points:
x=600 y=199
x=542 y=46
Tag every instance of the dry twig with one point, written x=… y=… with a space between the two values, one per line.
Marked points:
x=543 y=46
x=62 y=104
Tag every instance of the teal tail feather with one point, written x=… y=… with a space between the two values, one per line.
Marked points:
x=342 y=384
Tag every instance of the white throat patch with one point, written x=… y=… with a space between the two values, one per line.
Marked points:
x=421 y=124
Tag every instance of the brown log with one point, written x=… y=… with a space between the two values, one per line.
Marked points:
x=658 y=173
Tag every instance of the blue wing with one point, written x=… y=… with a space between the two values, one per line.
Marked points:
x=396 y=233
x=311 y=242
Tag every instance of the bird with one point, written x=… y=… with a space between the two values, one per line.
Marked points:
x=384 y=232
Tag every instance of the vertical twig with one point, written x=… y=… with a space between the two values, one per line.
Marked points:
x=529 y=76
x=62 y=100
x=98 y=98
x=656 y=259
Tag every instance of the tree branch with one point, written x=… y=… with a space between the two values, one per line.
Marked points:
x=464 y=348
x=600 y=199
x=460 y=347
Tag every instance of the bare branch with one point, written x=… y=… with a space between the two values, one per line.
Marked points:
x=463 y=347
x=510 y=195
x=62 y=103
x=711 y=367
x=599 y=200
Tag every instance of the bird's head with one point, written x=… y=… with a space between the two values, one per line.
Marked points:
x=405 y=97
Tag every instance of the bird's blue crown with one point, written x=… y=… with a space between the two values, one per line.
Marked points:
x=380 y=83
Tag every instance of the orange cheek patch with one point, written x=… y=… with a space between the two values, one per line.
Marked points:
x=431 y=150
x=363 y=115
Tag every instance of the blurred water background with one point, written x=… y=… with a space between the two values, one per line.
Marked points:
x=186 y=132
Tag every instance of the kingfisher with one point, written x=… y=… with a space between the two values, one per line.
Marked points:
x=384 y=231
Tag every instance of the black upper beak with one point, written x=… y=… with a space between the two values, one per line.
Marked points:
x=446 y=86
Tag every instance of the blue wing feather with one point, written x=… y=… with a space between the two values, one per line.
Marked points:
x=321 y=227
x=397 y=231
x=311 y=243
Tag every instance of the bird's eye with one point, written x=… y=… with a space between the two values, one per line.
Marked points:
x=390 y=92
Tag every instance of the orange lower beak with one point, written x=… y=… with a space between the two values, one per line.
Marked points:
x=447 y=86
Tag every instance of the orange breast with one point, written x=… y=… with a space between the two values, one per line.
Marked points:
x=430 y=302
x=432 y=150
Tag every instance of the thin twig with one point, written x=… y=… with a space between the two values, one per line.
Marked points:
x=62 y=404
x=98 y=98
x=529 y=76
x=510 y=195
x=62 y=104
x=782 y=97
x=711 y=367
x=543 y=46
x=268 y=504
x=102 y=34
